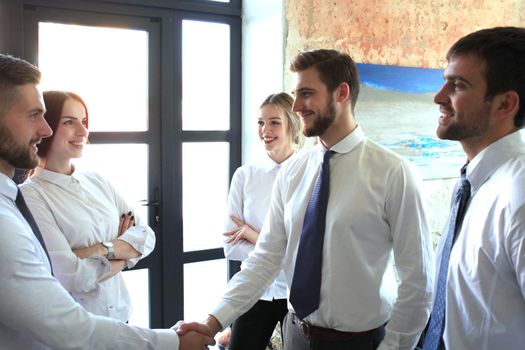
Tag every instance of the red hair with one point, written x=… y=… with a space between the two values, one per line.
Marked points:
x=54 y=101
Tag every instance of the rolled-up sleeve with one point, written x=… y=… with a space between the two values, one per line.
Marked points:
x=141 y=237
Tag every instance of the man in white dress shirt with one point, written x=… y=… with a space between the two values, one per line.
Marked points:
x=482 y=105
x=374 y=210
x=36 y=311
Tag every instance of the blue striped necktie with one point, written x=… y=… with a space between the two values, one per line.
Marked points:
x=306 y=283
x=433 y=338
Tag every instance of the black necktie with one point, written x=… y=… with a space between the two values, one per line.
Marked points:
x=437 y=317
x=306 y=283
x=22 y=206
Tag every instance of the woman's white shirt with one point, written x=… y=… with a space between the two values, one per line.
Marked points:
x=249 y=200
x=77 y=211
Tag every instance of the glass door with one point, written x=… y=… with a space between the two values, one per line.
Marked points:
x=206 y=144
x=163 y=87
x=112 y=63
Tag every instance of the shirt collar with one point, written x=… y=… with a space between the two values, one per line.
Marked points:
x=55 y=178
x=492 y=157
x=8 y=187
x=268 y=164
x=348 y=143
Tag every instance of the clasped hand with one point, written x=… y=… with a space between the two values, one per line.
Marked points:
x=194 y=335
x=242 y=231
x=126 y=221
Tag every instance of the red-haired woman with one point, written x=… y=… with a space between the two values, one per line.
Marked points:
x=89 y=229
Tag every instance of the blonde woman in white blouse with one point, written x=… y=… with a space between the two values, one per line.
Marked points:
x=248 y=202
x=89 y=229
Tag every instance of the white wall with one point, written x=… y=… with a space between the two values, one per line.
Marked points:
x=262 y=58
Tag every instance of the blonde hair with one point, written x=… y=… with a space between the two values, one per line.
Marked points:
x=284 y=103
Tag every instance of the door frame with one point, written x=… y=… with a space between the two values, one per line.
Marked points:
x=167 y=261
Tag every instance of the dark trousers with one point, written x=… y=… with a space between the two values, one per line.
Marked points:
x=293 y=339
x=252 y=331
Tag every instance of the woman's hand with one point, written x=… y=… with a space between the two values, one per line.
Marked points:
x=242 y=231
x=116 y=267
x=94 y=250
x=126 y=221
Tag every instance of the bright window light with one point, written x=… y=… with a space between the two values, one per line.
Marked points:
x=205 y=76
x=107 y=67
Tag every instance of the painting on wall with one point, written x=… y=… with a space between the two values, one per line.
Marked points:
x=395 y=108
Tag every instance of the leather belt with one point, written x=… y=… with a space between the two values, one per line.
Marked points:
x=327 y=334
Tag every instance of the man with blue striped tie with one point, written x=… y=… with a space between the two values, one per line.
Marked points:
x=480 y=290
x=338 y=213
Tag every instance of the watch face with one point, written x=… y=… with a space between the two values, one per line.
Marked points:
x=109 y=247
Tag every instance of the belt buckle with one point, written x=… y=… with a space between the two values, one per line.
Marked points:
x=305 y=328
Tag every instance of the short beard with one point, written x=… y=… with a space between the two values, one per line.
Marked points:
x=461 y=130
x=322 y=122
x=19 y=156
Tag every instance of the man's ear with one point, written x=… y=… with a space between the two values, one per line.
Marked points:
x=343 y=92
x=507 y=104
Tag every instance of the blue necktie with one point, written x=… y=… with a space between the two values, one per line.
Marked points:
x=306 y=283
x=436 y=327
x=22 y=206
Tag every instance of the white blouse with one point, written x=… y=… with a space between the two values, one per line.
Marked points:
x=77 y=211
x=249 y=200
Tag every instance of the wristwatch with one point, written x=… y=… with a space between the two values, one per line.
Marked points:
x=111 y=250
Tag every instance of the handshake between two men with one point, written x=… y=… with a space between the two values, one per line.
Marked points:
x=195 y=335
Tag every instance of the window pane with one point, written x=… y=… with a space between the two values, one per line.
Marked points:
x=107 y=67
x=204 y=193
x=137 y=282
x=205 y=76
x=125 y=166
x=202 y=294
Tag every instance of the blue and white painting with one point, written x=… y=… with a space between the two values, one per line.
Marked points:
x=395 y=108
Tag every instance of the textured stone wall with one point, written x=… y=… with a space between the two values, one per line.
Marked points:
x=414 y=33
x=395 y=32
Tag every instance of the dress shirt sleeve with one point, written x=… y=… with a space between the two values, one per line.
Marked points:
x=262 y=266
x=141 y=237
x=76 y=275
x=413 y=256
x=515 y=245
x=242 y=249
x=34 y=304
